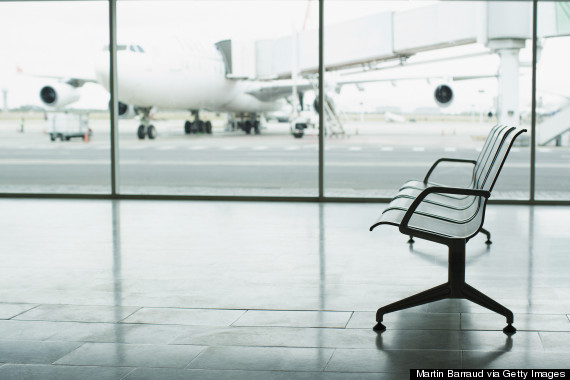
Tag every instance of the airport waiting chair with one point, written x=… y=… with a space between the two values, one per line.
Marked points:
x=412 y=188
x=451 y=216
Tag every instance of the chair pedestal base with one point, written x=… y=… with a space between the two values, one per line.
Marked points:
x=456 y=287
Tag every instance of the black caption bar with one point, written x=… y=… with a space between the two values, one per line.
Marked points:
x=524 y=374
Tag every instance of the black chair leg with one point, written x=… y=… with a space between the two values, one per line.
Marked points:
x=479 y=298
x=411 y=241
x=488 y=234
x=434 y=294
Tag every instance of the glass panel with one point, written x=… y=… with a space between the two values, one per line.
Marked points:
x=402 y=97
x=54 y=121
x=553 y=102
x=207 y=93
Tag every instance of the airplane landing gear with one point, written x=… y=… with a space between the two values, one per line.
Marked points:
x=146 y=129
x=197 y=126
x=248 y=123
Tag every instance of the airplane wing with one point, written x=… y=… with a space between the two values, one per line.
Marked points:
x=73 y=81
x=272 y=90
x=396 y=79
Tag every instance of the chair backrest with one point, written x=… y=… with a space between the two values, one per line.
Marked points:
x=488 y=152
x=495 y=167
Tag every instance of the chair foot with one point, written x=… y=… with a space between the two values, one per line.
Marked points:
x=509 y=329
x=488 y=242
x=411 y=241
x=380 y=327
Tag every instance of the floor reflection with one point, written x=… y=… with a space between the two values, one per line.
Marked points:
x=117 y=281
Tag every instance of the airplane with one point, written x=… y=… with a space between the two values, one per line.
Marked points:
x=178 y=74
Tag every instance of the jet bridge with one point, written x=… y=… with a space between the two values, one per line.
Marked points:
x=503 y=27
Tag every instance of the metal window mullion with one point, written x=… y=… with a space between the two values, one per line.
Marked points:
x=114 y=97
x=321 y=101
x=533 y=108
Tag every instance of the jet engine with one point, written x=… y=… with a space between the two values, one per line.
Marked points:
x=443 y=95
x=126 y=111
x=59 y=95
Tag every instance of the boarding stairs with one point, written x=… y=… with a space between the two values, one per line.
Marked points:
x=552 y=129
x=333 y=123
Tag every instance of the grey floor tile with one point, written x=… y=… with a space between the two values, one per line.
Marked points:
x=27 y=330
x=198 y=317
x=31 y=352
x=201 y=374
x=556 y=341
x=78 y=313
x=407 y=320
x=498 y=341
x=131 y=355
x=278 y=318
x=522 y=322
x=279 y=337
x=117 y=333
x=263 y=358
x=419 y=339
x=10 y=310
x=522 y=360
x=375 y=360
x=452 y=305
x=60 y=372
x=366 y=376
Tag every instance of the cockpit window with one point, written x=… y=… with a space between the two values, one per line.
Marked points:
x=140 y=48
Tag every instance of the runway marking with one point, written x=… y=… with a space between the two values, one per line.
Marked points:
x=387 y=149
x=260 y=148
x=515 y=150
x=544 y=150
x=166 y=147
x=355 y=148
x=196 y=147
x=292 y=148
x=418 y=149
x=450 y=149
x=228 y=148
x=133 y=147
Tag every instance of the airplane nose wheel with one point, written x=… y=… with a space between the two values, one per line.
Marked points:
x=141 y=132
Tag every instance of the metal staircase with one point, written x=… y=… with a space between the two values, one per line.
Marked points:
x=333 y=122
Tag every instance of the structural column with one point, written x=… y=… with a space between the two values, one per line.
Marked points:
x=508 y=100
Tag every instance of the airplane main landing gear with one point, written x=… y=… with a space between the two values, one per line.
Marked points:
x=197 y=126
x=249 y=125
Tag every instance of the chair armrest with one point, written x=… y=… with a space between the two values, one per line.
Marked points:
x=404 y=224
x=426 y=179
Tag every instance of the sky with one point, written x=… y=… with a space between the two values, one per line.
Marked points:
x=54 y=37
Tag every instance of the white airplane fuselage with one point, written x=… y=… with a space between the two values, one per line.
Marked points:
x=180 y=77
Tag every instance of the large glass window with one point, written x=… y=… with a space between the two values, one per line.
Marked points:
x=54 y=122
x=207 y=93
x=227 y=104
x=553 y=102
x=402 y=97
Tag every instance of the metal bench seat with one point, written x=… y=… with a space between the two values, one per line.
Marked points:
x=451 y=216
x=494 y=141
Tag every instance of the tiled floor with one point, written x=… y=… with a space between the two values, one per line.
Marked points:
x=244 y=290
